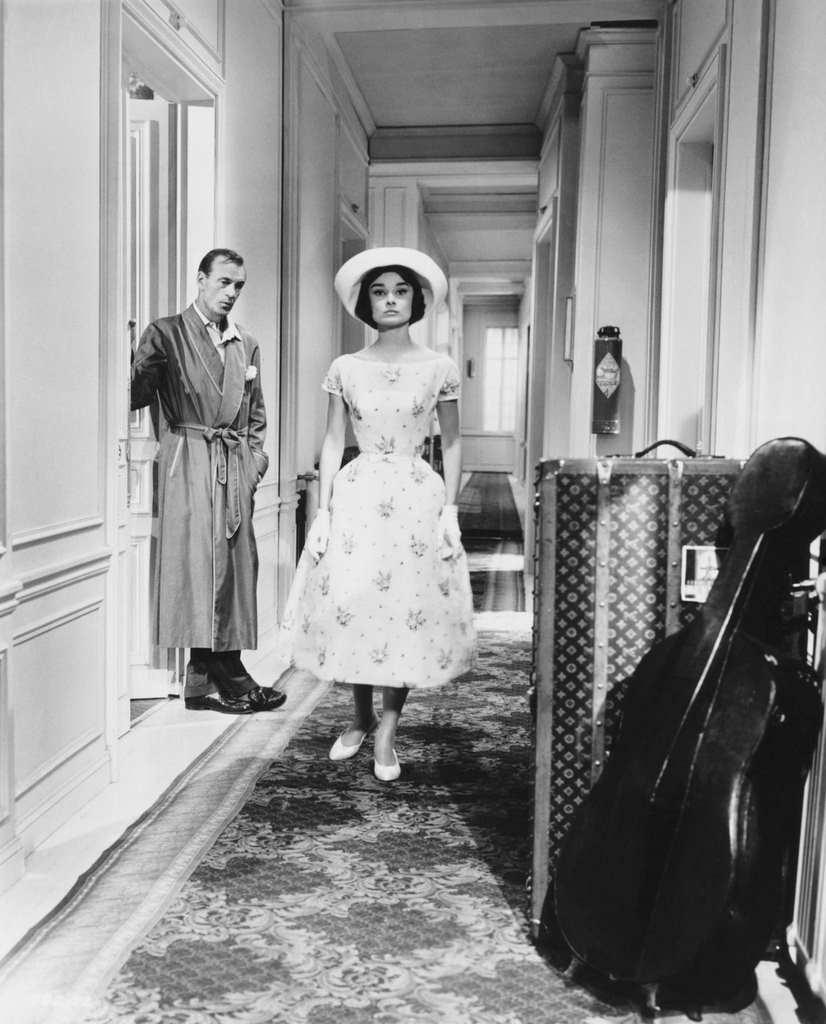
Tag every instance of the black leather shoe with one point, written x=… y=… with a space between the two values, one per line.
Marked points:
x=265 y=698
x=215 y=702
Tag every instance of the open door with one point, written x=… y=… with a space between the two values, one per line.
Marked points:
x=169 y=215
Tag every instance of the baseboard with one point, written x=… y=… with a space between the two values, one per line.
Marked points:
x=12 y=863
x=75 y=792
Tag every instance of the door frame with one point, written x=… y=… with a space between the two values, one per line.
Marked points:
x=128 y=34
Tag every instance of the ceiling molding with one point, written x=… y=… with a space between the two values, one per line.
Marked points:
x=362 y=15
x=457 y=142
x=354 y=92
x=638 y=42
x=494 y=300
x=467 y=173
x=300 y=38
x=504 y=277
x=567 y=75
x=485 y=220
x=441 y=202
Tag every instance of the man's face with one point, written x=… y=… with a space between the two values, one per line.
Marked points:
x=218 y=290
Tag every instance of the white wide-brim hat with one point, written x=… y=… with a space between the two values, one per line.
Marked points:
x=433 y=281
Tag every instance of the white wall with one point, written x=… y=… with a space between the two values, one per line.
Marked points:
x=554 y=269
x=325 y=187
x=54 y=612
x=770 y=228
x=712 y=237
x=249 y=220
x=64 y=525
x=740 y=234
x=615 y=229
x=791 y=355
x=317 y=303
x=769 y=223
x=790 y=349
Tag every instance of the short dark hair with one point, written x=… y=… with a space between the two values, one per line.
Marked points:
x=363 y=308
x=230 y=255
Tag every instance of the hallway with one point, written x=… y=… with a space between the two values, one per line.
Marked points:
x=269 y=884
x=494 y=542
x=568 y=165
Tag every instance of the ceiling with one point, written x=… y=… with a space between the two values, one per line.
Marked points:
x=447 y=80
x=490 y=75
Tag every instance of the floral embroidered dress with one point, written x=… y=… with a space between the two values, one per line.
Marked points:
x=381 y=606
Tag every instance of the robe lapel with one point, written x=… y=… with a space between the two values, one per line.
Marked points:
x=204 y=348
x=232 y=392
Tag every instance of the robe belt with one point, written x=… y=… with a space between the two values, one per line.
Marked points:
x=225 y=443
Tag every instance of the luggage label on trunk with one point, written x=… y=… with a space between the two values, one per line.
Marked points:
x=701 y=564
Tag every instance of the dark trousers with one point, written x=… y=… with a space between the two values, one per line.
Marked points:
x=216 y=671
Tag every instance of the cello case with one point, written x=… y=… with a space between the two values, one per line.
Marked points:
x=671 y=874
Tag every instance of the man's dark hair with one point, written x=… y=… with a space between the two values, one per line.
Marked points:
x=230 y=255
x=364 y=310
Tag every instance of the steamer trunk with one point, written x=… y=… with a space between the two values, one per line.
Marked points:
x=610 y=539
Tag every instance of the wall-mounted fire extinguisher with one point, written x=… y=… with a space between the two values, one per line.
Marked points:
x=605 y=417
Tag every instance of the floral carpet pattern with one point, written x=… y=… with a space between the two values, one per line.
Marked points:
x=333 y=898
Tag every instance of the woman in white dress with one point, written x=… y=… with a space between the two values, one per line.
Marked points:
x=382 y=592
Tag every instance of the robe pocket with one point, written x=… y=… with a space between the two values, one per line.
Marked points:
x=260 y=461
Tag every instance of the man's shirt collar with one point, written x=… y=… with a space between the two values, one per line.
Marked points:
x=230 y=332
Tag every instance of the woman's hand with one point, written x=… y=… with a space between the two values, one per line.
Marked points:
x=450 y=536
x=319 y=534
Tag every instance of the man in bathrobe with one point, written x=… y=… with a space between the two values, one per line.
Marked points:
x=204 y=369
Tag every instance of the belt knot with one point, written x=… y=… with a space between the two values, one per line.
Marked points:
x=225 y=443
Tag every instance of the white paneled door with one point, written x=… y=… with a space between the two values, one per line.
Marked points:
x=170 y=215
x=150 y=165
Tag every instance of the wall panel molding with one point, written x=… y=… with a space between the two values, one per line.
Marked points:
x=695 y=44
x=6 y=739
x=3 y=375
x=52 y=622
x=140 y=588
x=56 y=576
x=55 y=531
x=93 y=729
x=396 y=216
x=9 y=597
x=140 y=488
x=60 y=757
x=37 y=822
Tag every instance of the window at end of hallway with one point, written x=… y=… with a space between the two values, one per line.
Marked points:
x=501 y=357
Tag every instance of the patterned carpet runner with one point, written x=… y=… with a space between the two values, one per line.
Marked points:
x=327 y=897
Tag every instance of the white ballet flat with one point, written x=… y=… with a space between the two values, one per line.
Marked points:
x=387 y=772
x=341 y=751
